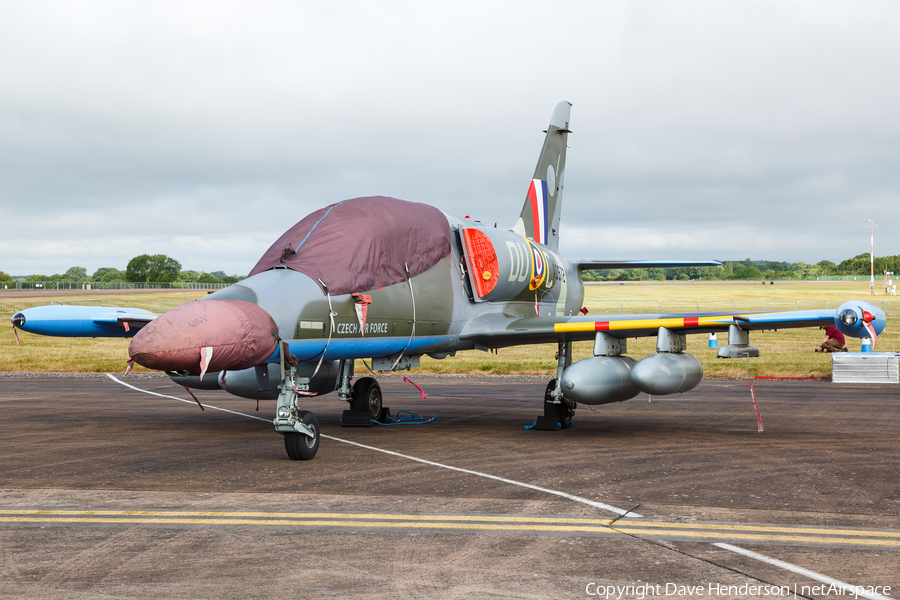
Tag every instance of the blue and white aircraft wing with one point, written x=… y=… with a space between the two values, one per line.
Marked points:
x=82 y=321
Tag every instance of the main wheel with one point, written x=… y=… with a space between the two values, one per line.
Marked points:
x=565 y=413
x=562 y=412
x=367 y=396
x=300 y=446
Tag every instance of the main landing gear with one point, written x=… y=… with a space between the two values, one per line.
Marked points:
x=557 y=415
x=365 y=404
x=364 y=398
x=558 y=411
x=367 y=396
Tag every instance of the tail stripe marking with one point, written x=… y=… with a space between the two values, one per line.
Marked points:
x=537 y=194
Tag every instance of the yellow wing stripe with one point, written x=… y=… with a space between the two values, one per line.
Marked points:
x=632 y=324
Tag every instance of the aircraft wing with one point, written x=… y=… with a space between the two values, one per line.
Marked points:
x=584 y=265
x=82 y=321
x=494 y=332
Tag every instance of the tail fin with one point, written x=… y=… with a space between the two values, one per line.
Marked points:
x=543 y=202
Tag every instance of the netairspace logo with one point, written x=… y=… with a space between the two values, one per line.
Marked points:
x=640 y=591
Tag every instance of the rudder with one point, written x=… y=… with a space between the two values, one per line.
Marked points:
x=540 y=215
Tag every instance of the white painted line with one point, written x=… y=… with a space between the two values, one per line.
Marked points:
x=607 y=507
x=850 y=589
x=128 y=385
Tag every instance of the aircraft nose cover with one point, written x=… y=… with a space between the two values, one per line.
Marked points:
x=241 y=335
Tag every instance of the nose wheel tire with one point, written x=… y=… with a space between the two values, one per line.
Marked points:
x=300 y=446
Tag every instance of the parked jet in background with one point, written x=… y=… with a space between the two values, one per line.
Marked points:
x=389 y=280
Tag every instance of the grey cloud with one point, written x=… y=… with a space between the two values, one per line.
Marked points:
x=177 y=127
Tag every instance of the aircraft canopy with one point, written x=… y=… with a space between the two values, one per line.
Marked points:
x=362 y=243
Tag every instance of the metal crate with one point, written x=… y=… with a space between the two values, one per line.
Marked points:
x=865 y=367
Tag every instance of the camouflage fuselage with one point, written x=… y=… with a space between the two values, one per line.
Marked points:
x=424 y=315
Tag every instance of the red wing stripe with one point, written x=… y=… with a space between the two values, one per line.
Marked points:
x=601 y=326
x=691 y=321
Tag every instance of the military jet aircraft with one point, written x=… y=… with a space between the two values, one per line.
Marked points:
x=390 y=280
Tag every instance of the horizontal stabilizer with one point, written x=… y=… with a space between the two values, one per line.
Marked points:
x=584 y=265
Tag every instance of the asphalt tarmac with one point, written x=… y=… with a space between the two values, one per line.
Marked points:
x=107 y=491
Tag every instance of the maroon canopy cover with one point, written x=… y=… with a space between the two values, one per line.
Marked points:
x=362 y=243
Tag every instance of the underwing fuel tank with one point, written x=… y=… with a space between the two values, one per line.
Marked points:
x=599 y=380
x=667 y=373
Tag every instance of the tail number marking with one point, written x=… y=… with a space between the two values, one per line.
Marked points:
x=519 y=261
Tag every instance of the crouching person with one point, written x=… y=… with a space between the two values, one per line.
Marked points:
x=834 y=340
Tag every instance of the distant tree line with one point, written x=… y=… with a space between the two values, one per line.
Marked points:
x=159 y=268
x=752 y=269
x=146 y=268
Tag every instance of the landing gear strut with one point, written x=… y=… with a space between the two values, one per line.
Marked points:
x=558 y=411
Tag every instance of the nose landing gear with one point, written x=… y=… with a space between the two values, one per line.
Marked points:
x=303 y=446
x=300 y=427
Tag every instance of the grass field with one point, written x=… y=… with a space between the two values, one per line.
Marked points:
x=786 y=353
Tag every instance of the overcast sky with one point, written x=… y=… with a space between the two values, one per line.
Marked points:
x=203 y=130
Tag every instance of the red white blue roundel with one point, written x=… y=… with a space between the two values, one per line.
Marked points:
x=537 y=195
x=538 y=266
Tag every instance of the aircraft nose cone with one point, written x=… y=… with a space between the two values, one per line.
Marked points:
x=18 y=320
x=206 y=335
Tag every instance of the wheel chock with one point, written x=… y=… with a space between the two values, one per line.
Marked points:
x=546 y=423
x=384 y=416
x=356 y=418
